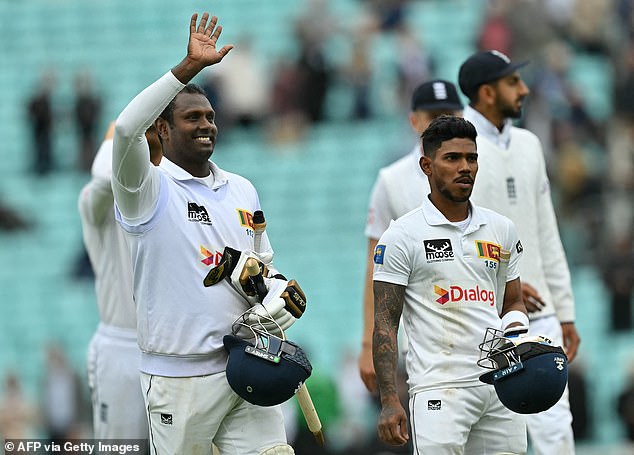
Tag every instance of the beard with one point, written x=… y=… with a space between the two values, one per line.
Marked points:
x=509 y=111
x=463 y=197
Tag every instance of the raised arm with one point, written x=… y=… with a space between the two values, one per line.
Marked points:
x=388 y=306
x=136 y=182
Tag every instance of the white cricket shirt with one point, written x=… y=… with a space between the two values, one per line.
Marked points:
x=512 y=180
x=106 y=245
x=451 y=284
x=177 y=227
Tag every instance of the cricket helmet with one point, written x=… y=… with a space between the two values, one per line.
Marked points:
x=529 y=374
x=262 y=368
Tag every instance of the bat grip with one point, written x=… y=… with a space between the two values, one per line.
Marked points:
x=253 y=269
x=259 y=226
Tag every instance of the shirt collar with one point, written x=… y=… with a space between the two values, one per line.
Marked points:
x=435 y=217
x=178 y=173
x=488 y=130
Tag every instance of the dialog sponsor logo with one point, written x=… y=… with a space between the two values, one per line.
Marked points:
x=456 y=293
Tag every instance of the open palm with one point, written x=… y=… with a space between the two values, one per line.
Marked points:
x=202 y=41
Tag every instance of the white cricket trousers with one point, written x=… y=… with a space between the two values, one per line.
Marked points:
x=187 y=415
x=550 y=432
x=465 y=420
x=118 y=409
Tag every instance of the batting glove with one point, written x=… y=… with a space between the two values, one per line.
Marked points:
x=285 y=302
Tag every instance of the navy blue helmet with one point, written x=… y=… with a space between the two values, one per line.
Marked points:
x=262 y=368
x=529 y=374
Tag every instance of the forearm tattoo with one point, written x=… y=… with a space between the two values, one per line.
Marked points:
x=388 y=306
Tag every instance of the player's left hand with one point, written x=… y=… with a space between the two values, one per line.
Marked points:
x=393 y=424
x=571 y=340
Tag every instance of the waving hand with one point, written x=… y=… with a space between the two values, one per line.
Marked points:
x=201 y=48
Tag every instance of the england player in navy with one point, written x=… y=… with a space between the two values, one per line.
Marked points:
x=439 y=268
x=179 y=217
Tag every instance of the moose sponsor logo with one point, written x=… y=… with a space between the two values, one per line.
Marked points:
x=438 y=250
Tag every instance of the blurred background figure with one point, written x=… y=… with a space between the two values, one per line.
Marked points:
x=40 y=118
x=63 y=396
x=11 y=220
x=18 y=416
x=244 y=86
x=625 y=405
x=88 y=107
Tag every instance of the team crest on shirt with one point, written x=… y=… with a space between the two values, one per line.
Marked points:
x=197 y=213
x=488 y=250
x=438 y=250
x=379 y=253
x=245 y=218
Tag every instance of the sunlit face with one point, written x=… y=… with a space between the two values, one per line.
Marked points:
x=452 y=169
x=510 y=93
x=192 y=135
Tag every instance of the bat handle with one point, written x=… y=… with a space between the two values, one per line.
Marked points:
x=259 y=226
x=253 y=269
x=310 y=414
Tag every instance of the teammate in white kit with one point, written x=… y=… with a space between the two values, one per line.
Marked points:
x=513 y=182
x=179 y=218
x=437 y=267
x=113 y=354
x=399 y=188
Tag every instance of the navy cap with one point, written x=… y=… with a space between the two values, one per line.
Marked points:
x=436 y=95
x=265 y=377
x=483 y=67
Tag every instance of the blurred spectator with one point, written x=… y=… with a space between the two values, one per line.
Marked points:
x=390 y=14
x=414 y=65
x=625 y=406
x=244 y=86
x=617 y=270
x=531 y=29
x=591 y=25
x=313 y=28
x=88 y=106
x=288 y=120
x=10 y=220
x=63 y=399
x=495 y=32
x=18 y=416
x=40 y=115
x=358 y=72
x=579 y=405
x=315 y=78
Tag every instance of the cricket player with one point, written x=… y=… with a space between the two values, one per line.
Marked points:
x=399 y=188
x=113 y=354
x=437 y=267
x=513 y=182
x=179 y=217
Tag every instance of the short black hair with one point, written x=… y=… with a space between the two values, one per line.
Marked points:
x=168 y=112
x=445 y=128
